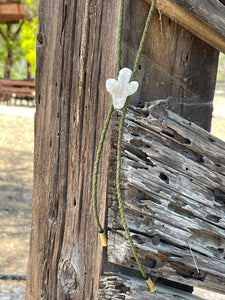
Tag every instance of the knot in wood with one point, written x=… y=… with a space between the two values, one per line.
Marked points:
x=68 y=277
x=156 y=240
x=40 y=38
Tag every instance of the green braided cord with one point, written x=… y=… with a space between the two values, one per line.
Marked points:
x=118 y=187
x=143 y=39
x=106 y=125
x=96 y=167
x=119 y=47
x=119 y=146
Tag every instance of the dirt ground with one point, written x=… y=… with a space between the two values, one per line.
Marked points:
x=16 y=166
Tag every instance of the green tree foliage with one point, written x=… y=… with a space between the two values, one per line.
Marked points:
x=10 y=50
x=29 y=33
x=221 y=67
x=31 y=7
x=17 y=42
x=28 y=42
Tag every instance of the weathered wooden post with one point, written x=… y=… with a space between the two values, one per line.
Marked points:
x=76 y=53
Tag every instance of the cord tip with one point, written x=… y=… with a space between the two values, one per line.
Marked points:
x=150 y=284
x=103 y=238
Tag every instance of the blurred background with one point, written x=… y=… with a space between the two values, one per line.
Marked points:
x=18 y=31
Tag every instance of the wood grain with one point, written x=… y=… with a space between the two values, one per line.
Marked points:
x=173 y=181
x=205 y=19
x=65 y=253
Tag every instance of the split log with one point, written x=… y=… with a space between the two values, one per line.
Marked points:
x=173 y=182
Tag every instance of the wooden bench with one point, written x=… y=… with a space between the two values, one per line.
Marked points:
x=16 y=89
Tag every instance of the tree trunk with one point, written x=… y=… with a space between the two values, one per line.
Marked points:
x=9 y=56
x=28 y=71
x=8 y=63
